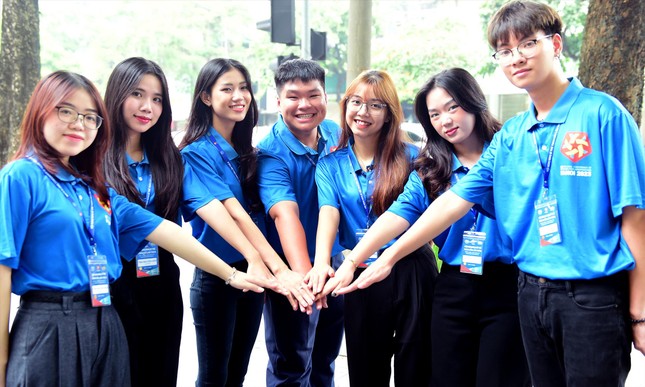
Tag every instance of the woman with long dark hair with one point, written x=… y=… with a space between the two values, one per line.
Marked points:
x=62 y=232
x=144 y=165
x=356 y=184
x=476 y=337
x=218 y=147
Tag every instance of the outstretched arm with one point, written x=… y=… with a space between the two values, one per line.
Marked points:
x=444 y=211
x=288 y=279
x=633 y=224
x=176 y=240
x=387 y=227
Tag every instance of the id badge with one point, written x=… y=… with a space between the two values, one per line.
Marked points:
x=360 y=233
x=548 y=220
x=148 y=261
x=472 y=258
x=99 y=280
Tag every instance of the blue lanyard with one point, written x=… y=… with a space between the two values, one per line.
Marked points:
x=147 y=198
x=367 y=204
x=546 y=170
x=473 y=211
x=224 y=156
x=89 y=227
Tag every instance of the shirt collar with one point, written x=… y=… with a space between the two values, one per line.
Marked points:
x=133 y=163
x=562 y=107
x=221 y=141
x=293 y=143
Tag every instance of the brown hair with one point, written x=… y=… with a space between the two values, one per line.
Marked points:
x=391 y=162
x=49 y=93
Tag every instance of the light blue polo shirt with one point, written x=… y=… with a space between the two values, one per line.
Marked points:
x=415 y=200
x=43 y=238
x=597 y=169
x=339 y=176
x=218 y=176
x=287 y=172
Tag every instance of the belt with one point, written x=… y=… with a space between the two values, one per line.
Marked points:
x=55 y=297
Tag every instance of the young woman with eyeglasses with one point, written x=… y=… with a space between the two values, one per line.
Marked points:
x=476 y=337
x=62 y=232
x=356 y=184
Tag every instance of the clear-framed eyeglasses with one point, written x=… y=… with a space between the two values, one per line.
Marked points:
x=70 y=116
x=355 y=104
x=527 y=49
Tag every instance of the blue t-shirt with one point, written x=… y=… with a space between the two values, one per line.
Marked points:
x=218 y=173
x=45 y=241
x=415 y=200
x=597 y=170
x=287 y=173
x=338 y=177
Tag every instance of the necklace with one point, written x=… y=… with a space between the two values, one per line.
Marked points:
x=366 y=164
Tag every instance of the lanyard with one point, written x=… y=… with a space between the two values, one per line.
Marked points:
x=147 y=198
x=224 y=156
x=546 y=170
x=367 y=204
x=89 y=227
x=473 y=211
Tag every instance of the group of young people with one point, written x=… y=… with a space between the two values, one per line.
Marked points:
x=538 y=285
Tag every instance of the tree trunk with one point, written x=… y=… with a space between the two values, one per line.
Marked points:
x=19 y=68
x=613 y=50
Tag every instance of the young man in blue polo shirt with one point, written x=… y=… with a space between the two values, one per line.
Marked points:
x=568 y=185
x=302 y=345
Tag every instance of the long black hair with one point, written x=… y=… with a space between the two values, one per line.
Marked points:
x=434 y=163
x=201 y=119
x=164 y=157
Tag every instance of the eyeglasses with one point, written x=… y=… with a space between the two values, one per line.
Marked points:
x=527 y=49
x=355 y=105
x=69 y=116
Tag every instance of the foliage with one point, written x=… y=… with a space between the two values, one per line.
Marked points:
x=573 y=14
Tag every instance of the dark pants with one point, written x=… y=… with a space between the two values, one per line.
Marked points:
x=226 y=325
x=576 y=333
x=151 y=310
x=392 y=318
x=58 y=339
x=476 y=339
x=302 y=349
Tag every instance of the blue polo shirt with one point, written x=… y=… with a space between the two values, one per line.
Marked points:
x=194 y=194
x=287 y=172
x=218 y=173
x=338 y=177
x=415 y=200
x=45 y=241
x=597 y=169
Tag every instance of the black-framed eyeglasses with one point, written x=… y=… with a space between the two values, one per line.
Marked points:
x=356 y=104
x=69 y=116
x=527 y=49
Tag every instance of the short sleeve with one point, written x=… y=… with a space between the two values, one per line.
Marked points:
x=274 y=181
x=413 y=201
x=327 y=190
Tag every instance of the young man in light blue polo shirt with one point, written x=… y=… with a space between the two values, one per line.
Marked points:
x=302 y=345
x=568 y=182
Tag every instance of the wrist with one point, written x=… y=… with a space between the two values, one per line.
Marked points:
x=352 y=262
x=231 y=277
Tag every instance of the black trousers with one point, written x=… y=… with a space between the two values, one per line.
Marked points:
x=59 y=339
x=392 y=318
x=151 y=310
x=476 y=339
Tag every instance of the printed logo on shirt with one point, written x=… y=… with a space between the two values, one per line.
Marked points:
x=333 y=149
x=104 y=205
x=576 y=146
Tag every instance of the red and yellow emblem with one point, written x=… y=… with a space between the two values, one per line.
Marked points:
x=105 y=205
x=576 y=146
